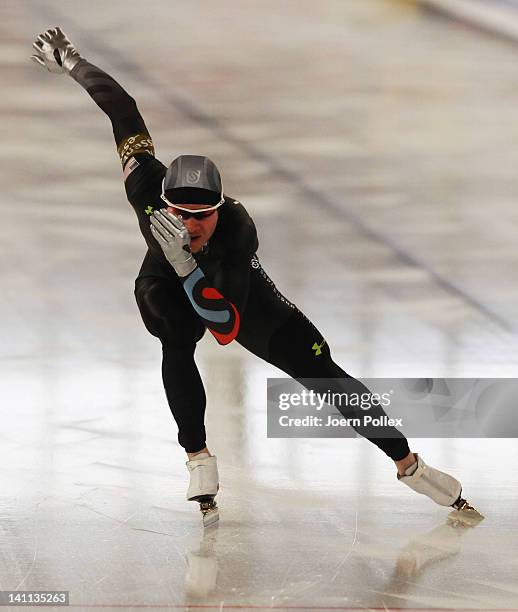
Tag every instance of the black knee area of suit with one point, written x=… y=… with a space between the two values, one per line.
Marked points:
x=166 y=314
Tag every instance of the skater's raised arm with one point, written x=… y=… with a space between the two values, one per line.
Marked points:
x=54 y=51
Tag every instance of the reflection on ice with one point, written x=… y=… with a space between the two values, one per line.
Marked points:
x=202 y=565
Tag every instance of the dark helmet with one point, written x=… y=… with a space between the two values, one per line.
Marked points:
x=192 y=179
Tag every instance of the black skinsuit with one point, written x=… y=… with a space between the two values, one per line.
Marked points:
x=271 y=327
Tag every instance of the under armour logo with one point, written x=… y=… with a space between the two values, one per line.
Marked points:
x=193 y=176
x=148 y=210
x=318 y=348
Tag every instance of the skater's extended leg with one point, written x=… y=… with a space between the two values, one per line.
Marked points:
x=412 y=470
x=276 y=330
x=291 y=349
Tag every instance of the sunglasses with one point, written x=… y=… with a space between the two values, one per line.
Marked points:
x=192 y=214
x=187 y=213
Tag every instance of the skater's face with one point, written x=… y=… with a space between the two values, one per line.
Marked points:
x=200 y=226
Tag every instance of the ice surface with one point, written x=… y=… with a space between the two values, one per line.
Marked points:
x=376 y=149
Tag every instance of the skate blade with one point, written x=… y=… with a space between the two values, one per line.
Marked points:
x=466 y=516
x=209 y=510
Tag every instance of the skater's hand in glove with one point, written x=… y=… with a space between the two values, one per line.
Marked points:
x=172 y=235
x=55 y=52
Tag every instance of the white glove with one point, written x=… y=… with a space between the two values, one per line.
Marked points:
x=172 y=235
x=55 y=52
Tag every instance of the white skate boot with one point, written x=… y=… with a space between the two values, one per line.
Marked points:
x=444 y=489
x=204 y=485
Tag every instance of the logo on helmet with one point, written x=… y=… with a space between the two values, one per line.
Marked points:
x=193 y=176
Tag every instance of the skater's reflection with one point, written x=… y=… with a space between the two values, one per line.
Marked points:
x=423 y=551
x=202 y=565
x=428 y=548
